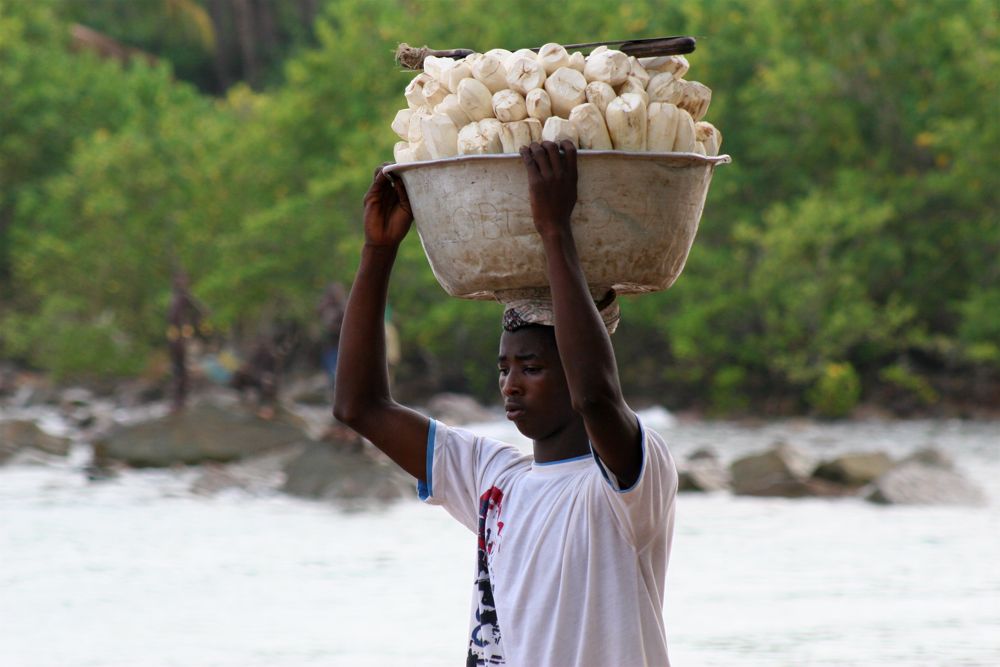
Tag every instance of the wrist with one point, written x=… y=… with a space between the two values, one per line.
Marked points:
x=379 y=248
x=378 y=252
x=556 y=231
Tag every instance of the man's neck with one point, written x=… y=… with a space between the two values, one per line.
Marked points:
x=567 y=443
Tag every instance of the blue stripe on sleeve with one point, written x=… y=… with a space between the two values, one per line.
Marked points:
x=642 y=465
x=425 y=489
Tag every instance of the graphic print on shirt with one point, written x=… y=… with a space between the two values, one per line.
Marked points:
x=484 y=644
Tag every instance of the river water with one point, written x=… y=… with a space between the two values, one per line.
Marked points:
x=139 y=572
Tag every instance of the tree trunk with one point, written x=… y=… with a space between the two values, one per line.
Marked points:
x=247 y=39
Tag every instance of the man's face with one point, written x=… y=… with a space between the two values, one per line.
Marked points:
x=533 y=383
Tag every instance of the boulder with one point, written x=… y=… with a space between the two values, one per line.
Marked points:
x=327 y=471
x=458 y=409
x=8 y=380
x=781 y=471
x=916 y=483
x=311 y=390
x=75 y=397
x=32 y=390
x=855 y=469
x=76 y=404
x=703 y=472
x=199 y=434
x=16 y=436
x=932 y=457
x=140 y=391
x=258 y=474
x=703 y=453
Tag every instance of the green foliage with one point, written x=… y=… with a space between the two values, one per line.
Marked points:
x=66 y=338
x=903 y=378
x=856 y=226
x=727 y=392
x=836 y=392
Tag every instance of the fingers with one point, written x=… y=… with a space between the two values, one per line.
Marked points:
x=541 y=158
x=555 y=159
x=570 y=157
x=383 y=189
x=404 y=198
x=529 y=163
x=551 y=160
x=380 y=176
x=374 y=190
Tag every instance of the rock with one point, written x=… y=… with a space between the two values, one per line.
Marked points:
x=769 y=472
x=259 y=474
x=916 y=483
x=198 y=434
x=140 y=391
x=32 y=390
x=76 y=405
x=854 y=470
x=703 y=472
x=19 y=435
x=932 y=457
x=8 y=376
x=782 y=471
x=458 y=409
x=703 y=453
x=32 y=457
x=75 y=397
x=312 y=390
x=325 y=471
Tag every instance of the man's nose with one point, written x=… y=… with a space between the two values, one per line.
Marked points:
x=509 y=386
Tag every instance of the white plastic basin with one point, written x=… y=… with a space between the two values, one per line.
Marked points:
x=635 y=220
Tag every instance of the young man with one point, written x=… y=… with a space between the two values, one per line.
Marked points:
x=573 y=541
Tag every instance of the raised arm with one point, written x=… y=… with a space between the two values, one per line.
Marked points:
x=585 y=350
x=361 y=396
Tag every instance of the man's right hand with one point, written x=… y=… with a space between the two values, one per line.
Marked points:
x=387 y=211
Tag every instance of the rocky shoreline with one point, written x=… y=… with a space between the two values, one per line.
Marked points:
x=298 y=453
x=926 y=477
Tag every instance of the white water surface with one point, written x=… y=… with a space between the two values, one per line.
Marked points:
x=139 y=572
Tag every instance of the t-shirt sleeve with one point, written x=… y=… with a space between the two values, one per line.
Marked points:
x=460 y=467
x=646 y=507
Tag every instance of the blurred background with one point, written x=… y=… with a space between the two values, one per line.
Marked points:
x=852 y=244
x=214 y=153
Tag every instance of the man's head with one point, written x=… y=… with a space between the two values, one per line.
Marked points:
x=533 y=306
x=533 y=383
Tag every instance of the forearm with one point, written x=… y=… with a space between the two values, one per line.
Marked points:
x=584 y=344
x=588 y=360
x=362 y=375
x=585 y=351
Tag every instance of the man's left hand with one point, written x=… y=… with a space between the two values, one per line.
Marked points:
x=552 y=184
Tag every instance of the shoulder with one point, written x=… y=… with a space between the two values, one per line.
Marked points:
x=461 y=463
x=656 y=452
x=487 y=451
x=656 y=463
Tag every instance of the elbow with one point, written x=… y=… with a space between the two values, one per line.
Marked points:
x=355 y=412
x=349 y=404
x=349 y=412
x=344 y=414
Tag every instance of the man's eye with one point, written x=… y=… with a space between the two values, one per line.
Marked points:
x=532 y=369
x=504 y=371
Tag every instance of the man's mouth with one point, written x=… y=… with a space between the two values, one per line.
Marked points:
x=514 y=412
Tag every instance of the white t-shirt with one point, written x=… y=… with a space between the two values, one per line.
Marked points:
x=570 y=568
